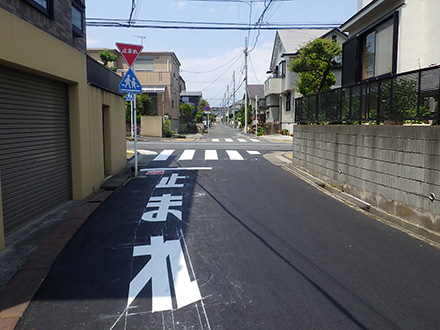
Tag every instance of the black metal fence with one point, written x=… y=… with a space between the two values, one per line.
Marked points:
x=407 y=96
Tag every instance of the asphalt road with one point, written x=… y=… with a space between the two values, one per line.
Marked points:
x=234 y=243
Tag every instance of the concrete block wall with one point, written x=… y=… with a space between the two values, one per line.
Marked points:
x=395 y=168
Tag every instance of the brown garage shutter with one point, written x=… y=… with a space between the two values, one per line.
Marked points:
x=34 y=146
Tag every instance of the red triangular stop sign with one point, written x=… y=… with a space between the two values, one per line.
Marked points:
x=130 y=52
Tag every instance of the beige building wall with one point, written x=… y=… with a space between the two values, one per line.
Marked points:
x=151 y=126
x=30 y=49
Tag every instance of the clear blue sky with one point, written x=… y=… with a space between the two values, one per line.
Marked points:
x=206 y=50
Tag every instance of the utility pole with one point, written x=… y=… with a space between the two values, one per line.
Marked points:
x=233 y=98
x=227 y=105
x=245 y=85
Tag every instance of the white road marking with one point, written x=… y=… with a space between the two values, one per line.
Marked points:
x=163 y=155
x=215 y=140
x=234 y=155
x=188 y=154
x=255 y=140
x=242 y=140
x=176 y=169
x=229 y=140
x=211 y=155
x=253 y=152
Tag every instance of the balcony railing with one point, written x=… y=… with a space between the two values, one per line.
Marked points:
x=410 y=96
x=99 y=76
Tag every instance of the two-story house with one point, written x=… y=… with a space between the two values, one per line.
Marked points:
x=390 y=37
x=61 y=116
x=159 y=75
x=256 y=98
x=280 y=89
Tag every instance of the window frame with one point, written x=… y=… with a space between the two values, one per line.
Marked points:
x=372 y=29
x=46 y=11
x=79 y=6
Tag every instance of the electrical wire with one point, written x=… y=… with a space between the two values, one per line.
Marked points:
x=218 y=68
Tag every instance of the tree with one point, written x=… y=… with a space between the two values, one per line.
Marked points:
x=313 y=64
x=201 y=110
x=107 y=57
x=186 y=112
x=143 y=107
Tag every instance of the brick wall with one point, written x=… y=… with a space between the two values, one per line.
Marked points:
x=60 y=26
x=395 y=168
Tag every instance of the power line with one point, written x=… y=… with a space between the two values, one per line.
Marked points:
x=218 y=68
x=104 y=22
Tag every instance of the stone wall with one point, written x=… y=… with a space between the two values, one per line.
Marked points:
x=394 y=168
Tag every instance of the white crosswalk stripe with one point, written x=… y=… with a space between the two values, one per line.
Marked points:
x=234 y=155
x=188 y=154
x=163 y=155
x=215 y=140
x=229 y=140
x=211 y=155
x=255 y=140
x=242 y=140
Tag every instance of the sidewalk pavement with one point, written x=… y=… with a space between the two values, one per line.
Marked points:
x=31 y=251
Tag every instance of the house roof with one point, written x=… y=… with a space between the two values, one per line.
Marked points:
x=291 y=41
x=294 y=40
x=255 y=90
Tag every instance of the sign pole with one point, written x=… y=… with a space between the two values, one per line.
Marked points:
x=131 y=118
x=130 y=84
x=256 y=115
x=135 y=135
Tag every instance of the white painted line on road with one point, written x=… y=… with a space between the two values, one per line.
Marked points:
x=215 y=140
x=255 y=140
x=234 y=155
x=229 y=140
x=176 y=169
x=188 y=154
x=253 y=152
x=211 y=155
x=163 y=155
x=242 y=140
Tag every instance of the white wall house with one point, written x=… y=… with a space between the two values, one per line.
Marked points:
x=280 y=89
x=389 y=37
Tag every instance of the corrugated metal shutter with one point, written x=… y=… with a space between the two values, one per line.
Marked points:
x=34 y=146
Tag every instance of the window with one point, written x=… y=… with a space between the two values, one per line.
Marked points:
x=77 y=18
x=145 y=63
x=288 y=102
x=377 y=50
x=283 y=69
x=45 y=6
x=372 y=53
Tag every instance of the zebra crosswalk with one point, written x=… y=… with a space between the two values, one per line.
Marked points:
x=193 y=154
x=230 y=140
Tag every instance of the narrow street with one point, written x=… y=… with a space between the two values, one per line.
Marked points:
x=212 y=235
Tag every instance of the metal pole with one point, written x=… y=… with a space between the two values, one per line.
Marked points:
x=256 y=115
x=131 y=118
x=245 y=86
x=135 y=134
x=233 y=99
